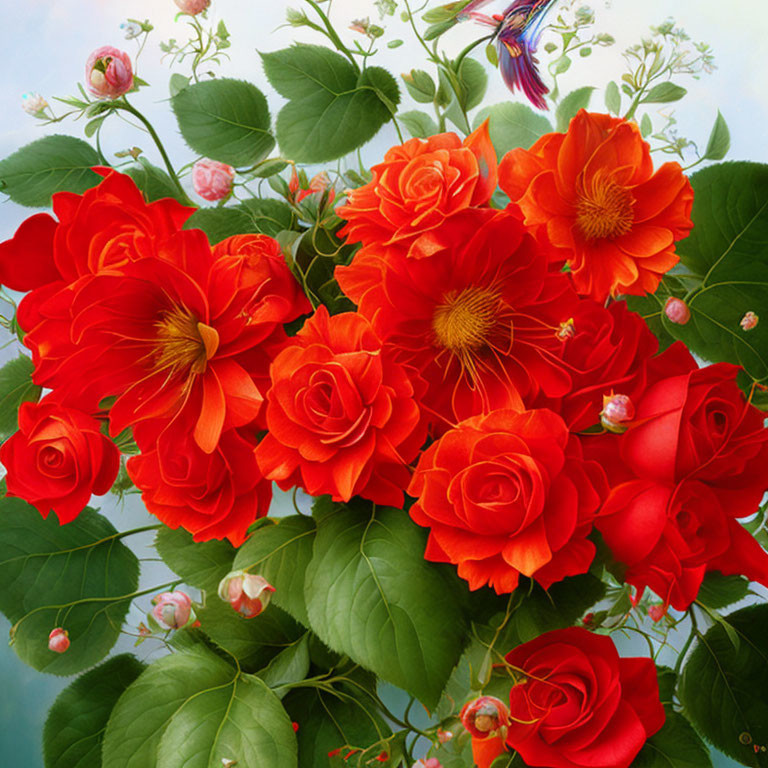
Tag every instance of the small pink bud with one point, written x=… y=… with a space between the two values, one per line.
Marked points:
x=749 y=321
x=428 y=762
x=444 y=736
x=108 y=73
x=657 y=612
x=588 y=619
x=360 y=25
x=58 y=640
x=484 y=715
x=173 y=610
x=318 y=183
x=212 y=180
x=617 y=411
x=677 y=311
x=249 y=594
x=192 y=7
x=33 y=103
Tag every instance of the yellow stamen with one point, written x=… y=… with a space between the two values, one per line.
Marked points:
x=604 y=210
x=183 y=344
x=464 y=321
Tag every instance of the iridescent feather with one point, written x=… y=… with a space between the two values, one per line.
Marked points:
x=517 y=38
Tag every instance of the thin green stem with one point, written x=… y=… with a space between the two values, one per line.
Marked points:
x=333 y=35
x=125 y=105
x=684 y=650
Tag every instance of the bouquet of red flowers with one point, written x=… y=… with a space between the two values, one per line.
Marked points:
x=512 y=375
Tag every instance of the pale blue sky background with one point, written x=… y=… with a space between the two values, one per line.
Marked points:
x=43 y=47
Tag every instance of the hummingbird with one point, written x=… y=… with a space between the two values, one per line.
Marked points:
x=517 y=35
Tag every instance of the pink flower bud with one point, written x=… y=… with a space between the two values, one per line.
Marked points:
x=108 y=73
x=212 y=180
x=247 y=593
x=749 y=321
x=485 y=715
x=192 y=7
x=58 y=640
x=618 y=411
x=428 y=762
x=677 y=311
x=444 y=736
x=658 y=612
x=173 y=610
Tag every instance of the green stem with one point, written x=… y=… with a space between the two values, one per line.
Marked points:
x=463 y=55
x=333 y=35
x=416 y=32
x=684 y=650
x=169 y=167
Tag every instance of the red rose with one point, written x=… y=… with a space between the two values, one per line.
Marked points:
x=211 y=495
x=479 y=320
x=508 y=494
x=58 y=458
x=341 y=414
x=671 y=536
x=418 y=186
x=578 y=705
x=698 y=425
x=605 y=351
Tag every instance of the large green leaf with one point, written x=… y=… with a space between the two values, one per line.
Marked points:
x=676 y=745
x=723 y=688
x=253 y=642
x=570 y=105
x=370 y=594
x=331 y=110
x=281 y=554
x=512 y=125
x=328 y=721
x=54 y=163
x=154 y=182
x=718 y=591
x=226 y=120
x=201 y=564
x=193 y=710
x=75 y=726
x=16 y=387
x=290 y=666
x=266 y=217
x=79 y=576
x=728 y=252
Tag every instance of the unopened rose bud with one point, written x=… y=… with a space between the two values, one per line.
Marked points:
x=677 y=311
x=108 y=73
x=657 y=612
x=249 y=594
x=173 y=610
x=58 y=640
x=749 y=321
x=618 y=411
x=33 y=103
x=484 y=716
x=212 y=180
x=428 y=762
x=444 y=736
x=360 y=25
x=192 y=7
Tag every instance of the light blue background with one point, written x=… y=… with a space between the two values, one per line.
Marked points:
x=43 y=47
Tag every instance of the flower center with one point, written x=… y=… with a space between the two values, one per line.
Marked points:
x=605 y=209
x=464 y=321
x=183 y=345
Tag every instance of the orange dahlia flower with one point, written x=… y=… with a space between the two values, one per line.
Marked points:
x=594 y=193
x=418 y=186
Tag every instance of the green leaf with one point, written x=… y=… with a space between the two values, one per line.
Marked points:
x=570 y=105
x=152 y=181
x=268 y=217
x=52 y=164
x=201 y=564
x=329 y=721
x=79 y=576
x=722 y=689
x=664 y=93
x=289 y=666
x=178 y=83
x=74 y=729
x=728 y=252
x=331 y=110
x=419 y=124
x=719 y=140
x=474 y=82
x=646 y=125
x=561 y=65
x=220 y=223
x=253 y=642
x=676 y=745
x=193 y=709
x=512 y=126
x=370 y=594
x=420 y=85
x=226 y=120
x=16 y=387
x=613 y=98
x=718 y=591
x=281 y=554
